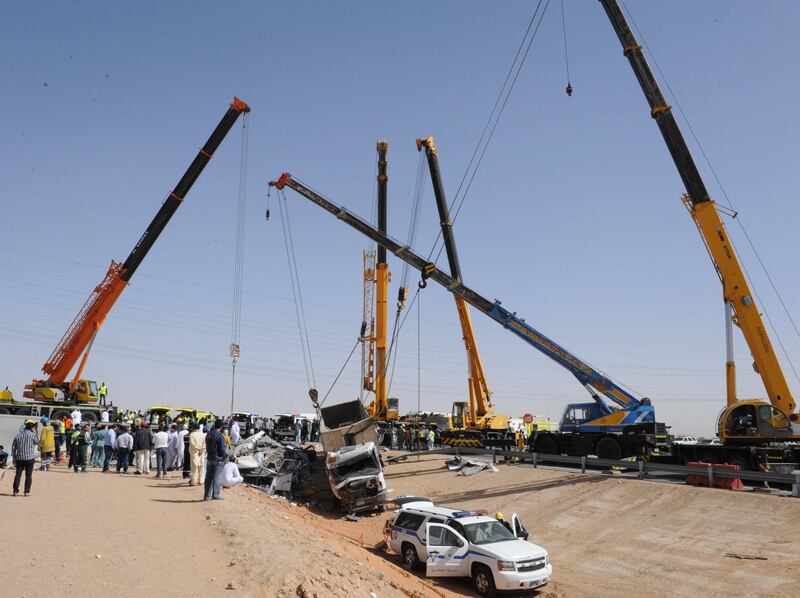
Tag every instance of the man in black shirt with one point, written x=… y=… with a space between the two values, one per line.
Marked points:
x=215 y=458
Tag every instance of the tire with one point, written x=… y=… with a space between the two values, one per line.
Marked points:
x=608 y=448
x=58 y=414
x=483 y=581
x=4 y=411
x=409 y=556
x=89 y=416
x=547 y=445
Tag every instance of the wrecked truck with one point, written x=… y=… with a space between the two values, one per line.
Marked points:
x=356 y=476
x=353 y=462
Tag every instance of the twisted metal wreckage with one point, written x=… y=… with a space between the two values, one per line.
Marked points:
x=274 y=466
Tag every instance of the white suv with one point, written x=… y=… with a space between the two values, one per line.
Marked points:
x=455 y=543
x=685 y=440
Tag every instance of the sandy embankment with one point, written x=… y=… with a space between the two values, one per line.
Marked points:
x=606 y=537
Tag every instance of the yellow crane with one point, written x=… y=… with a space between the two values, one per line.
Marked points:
x=755 y=434
x=474 y=423
x=376 y=284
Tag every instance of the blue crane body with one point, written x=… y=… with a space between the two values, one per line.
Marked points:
x=595 y=427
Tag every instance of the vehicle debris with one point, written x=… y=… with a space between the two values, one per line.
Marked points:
x=468 y=467
x=748 y=557
x=277 y=467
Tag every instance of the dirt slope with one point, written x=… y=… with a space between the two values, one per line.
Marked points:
x=609 y=536
x=606 y=537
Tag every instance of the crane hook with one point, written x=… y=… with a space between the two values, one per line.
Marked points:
x=569 y=89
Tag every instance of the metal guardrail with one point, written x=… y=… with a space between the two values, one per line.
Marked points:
x=712 y=472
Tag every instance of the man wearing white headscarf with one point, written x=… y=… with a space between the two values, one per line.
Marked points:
x=172 y=446
x=180 y=445
x=235 y=434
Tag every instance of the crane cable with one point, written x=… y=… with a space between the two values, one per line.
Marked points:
x=413 y=226
x=396 y=340
x=495 y=115
x=730 y=205
x=238 y=268
x=335 y=380
x=371 y=249
x=568 y=89
x=297 y=294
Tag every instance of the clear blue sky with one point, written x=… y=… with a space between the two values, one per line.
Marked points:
x=574 y=220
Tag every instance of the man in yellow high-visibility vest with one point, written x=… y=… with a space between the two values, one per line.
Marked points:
x=103 y=392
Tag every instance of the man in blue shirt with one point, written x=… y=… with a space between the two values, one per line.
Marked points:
x=215 y=455
x=109 y=443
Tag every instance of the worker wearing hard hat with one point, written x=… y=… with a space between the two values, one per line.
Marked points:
x=501 y=519
x=47 y=444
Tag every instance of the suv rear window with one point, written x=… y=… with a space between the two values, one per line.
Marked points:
x=409 y=521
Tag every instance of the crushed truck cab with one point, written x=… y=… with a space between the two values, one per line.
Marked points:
x=356 y=477
x=454 y=543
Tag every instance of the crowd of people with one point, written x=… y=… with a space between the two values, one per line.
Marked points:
x=132 y=440
x=129 y=441
x=196 y=449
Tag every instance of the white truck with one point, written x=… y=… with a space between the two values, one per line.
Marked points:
x=459 y=543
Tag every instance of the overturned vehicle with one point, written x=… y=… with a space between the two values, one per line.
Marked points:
x=356 y=477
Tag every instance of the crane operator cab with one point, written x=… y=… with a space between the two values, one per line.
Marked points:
x=460 y=414
x=577 y=414
x=754 y=421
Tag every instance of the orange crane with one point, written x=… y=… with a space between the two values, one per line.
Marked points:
x=79 y=337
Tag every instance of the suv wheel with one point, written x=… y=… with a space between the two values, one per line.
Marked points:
x=410 y=558
x=483 y=580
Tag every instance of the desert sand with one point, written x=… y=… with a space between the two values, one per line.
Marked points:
x=98 y=533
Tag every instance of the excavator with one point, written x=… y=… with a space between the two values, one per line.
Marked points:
x=628 y=429
x=58 y=389
x=755 y=434
x=474 y=424
x=376 y=285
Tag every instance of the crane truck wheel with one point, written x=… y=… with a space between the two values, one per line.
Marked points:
x=546 y=445
x=89 y=416
x=608 y=448
x=59 y=414
x=4 y=411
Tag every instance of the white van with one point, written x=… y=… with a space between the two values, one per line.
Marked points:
x=456 y=543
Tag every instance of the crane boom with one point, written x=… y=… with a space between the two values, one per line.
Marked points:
x=90 y=318
x=479 y=393
x=379 y=408
x=594 y=380
x=736 y=290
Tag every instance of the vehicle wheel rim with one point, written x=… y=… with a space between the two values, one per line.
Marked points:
x=409 y=557
x=481 y=582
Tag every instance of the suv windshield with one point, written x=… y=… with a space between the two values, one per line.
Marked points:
x=488 y=532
